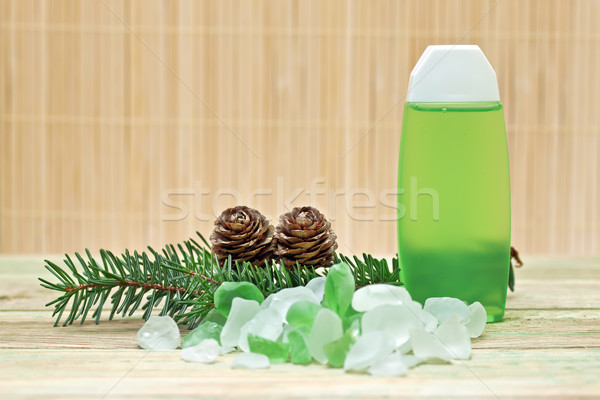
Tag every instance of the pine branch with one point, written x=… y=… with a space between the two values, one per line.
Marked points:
x=183 y=278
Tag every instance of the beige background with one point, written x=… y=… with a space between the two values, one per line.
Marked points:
x=124 y=124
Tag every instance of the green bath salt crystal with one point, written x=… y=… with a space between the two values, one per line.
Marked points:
x=337 y=350
x=228 y=291
x=277 y=352
x=215 y=316
x=302 y=314
x=299 y=353
x=206 y=330
x=339 y=288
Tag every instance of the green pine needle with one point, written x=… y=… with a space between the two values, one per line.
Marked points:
x=179 y=281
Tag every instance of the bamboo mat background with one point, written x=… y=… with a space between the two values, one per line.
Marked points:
x=126 y=124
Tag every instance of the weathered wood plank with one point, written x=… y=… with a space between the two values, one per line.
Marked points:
x=142 y=374
x=522 y=329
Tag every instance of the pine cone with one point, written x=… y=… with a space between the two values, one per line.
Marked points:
x=245 y=234
x=305 y=236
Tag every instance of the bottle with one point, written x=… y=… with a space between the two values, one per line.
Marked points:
x=453 y=181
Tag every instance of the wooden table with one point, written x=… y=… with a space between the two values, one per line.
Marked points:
x=547 y=346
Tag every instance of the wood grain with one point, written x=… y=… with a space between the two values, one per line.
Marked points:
x=128 y=124
x=489 y=374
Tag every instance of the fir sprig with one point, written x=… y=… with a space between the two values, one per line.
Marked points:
x=179 y=281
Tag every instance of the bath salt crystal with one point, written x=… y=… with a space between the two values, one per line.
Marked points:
x=477 y=319
x=206 y=351
x=392 y=365
x=326 y=328
x=317 y=286
x=283 y=300
x=242 y=311
x=450 y=340
x=369 y=349
x=159 y=333
x=266 y=323
x=371 y=296
x=250 y=361
x=443 y=307
x=394 y=319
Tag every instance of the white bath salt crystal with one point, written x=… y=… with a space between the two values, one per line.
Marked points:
x=226 y=349
x=242 y=311
x=371 y=296
x=326 y=328
x=206 y=351
x=395 y=320
x=455 y=337
x=267 y=324
x=369 y=349
x=404 y=347
x=450 y=340
x=411 y=360
x=428 y=321
x=159 y=333
x=267 y=302
x=443 y=307
x=477 y=319
x=426 y=346
x=392 y=365
x=283 y=300
x=283 y=338
x=250 y=361
x=317 y=286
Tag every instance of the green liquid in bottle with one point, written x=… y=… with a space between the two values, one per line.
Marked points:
x=454 y=203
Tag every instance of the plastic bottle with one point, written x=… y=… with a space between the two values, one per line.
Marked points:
x=453 y=180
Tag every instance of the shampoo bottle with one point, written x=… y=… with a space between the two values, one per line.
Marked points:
x=453 y=181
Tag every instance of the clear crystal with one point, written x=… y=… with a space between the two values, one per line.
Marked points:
x=326 y=328
x=267 y=324
x=411 y=360
x=206 y=351
x=443 y=307
x=242 y=311
x=427 y=346
x=455 y=337
x=283 y=299
x=369 y=349
x=250 y=361
x=450 y=340
x=227 y=349
x=317 y=286
x=267 y=303
x=159 y=333
x=371 y=296
x=392 y=365
x=395 y=320
x=477 y=319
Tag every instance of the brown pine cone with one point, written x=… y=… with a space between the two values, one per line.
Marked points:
x=245 y=234
x=305 y=236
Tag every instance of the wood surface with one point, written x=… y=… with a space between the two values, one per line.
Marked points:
x=107 y=108
x=548 y=346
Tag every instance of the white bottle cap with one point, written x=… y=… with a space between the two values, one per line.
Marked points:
x=453 y=74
